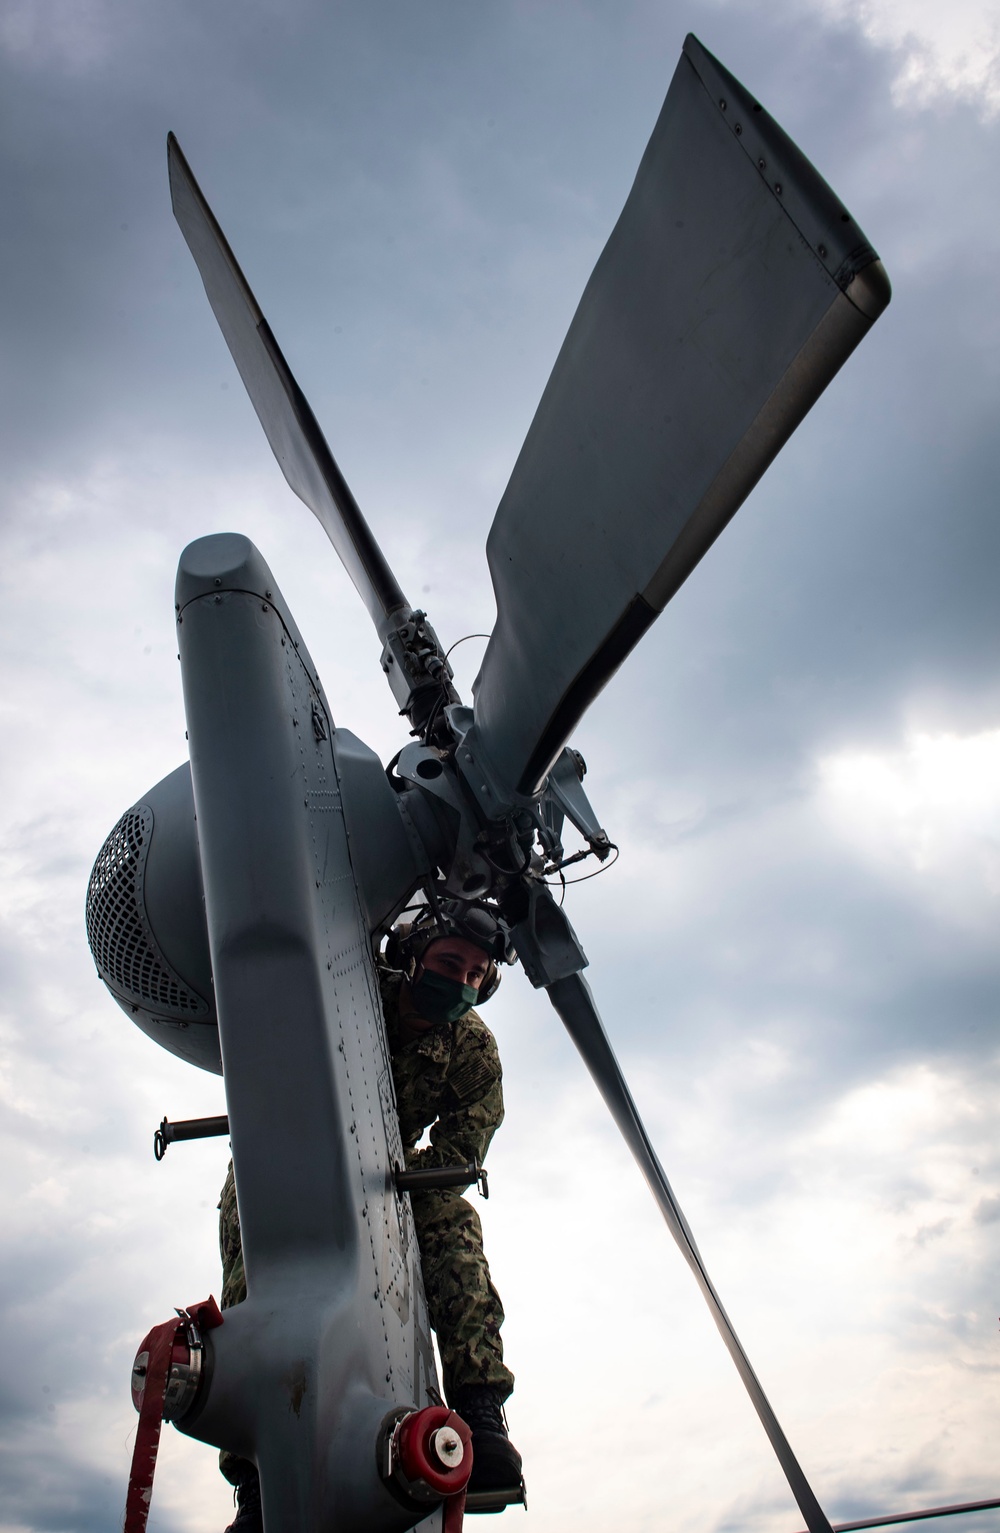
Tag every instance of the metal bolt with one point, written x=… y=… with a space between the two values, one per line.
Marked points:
x=739 y=129
x=722 y=103
x=762 y=163
x=447 y=1447
x=218 y=580
x=822 y=250
x=777 y=187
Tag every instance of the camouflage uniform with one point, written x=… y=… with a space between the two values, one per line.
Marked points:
x=447 y=1079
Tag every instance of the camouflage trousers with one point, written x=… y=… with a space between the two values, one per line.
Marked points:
x=463 y=1306
x=462 y=1303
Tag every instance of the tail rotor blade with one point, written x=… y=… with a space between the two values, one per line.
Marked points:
x=283 y=410
x=574 y=1002
x=733 y=287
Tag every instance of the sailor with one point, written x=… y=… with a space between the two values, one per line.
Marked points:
x=446 y=1069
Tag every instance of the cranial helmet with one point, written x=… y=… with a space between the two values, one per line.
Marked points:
x=450 y=918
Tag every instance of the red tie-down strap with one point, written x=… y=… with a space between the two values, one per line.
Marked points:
x=167 y=1346
x=454 y=1513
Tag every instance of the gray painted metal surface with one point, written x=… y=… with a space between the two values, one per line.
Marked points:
x=334 y=1331
x=730 y=292
x=146 y=903
x=283 y=410
x=390 y=857
x=146 y=923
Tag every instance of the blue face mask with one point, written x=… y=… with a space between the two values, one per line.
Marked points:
x=440 y=999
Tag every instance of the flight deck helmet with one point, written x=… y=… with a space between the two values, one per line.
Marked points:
x=452 y=918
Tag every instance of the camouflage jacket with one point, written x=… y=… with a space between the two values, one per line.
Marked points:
x=447 y=1079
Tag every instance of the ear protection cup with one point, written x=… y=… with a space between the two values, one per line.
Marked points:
x=395 y=946
x=491 y=984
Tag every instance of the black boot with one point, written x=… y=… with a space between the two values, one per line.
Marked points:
x=249 y=1518
x=496 y=1463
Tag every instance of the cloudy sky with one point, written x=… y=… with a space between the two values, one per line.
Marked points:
x=796 y=955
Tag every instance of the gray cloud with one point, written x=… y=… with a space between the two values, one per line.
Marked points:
x=54 y=1497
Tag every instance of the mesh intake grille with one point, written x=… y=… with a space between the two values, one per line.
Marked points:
x=124 y=948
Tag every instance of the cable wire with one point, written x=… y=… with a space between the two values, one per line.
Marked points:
x=463 y=640
x=583 y=879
